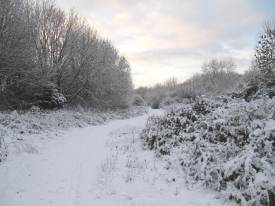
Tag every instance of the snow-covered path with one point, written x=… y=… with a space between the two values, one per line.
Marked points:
x=62 y=174
x=66 y=171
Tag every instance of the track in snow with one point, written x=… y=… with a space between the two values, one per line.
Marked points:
x=66 y=173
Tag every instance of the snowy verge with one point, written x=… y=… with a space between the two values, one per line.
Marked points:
x=27 y=132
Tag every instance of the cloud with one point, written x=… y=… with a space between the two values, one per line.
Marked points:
x=172 y=38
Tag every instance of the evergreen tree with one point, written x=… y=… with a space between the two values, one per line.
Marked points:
x=265 y=56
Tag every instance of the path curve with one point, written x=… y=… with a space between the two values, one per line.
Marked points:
x=65 y=172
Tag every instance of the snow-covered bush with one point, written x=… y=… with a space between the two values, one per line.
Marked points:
x=155 y=103
x=49 y=98
x=138 y=101
x=226 y=145
x=252 y=92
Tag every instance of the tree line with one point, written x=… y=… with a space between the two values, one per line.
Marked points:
x=218 y=76
x=49 y=58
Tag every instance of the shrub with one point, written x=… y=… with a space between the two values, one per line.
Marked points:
x=138 y=101
x=156 y=103
x=50 y=98
x=224 y=144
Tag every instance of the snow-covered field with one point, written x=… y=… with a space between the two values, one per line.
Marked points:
x=96 y=165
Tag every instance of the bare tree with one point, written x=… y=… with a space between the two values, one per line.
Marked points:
x=48 y=56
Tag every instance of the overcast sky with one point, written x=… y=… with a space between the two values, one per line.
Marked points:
x=172 y=38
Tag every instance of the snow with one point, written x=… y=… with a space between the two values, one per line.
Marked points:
x=28 y=131
x=97 y=165
x=221 y=145
x=270 y=125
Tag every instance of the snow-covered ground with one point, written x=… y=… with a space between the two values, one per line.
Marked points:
x=29 y=131
x=97 y=165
